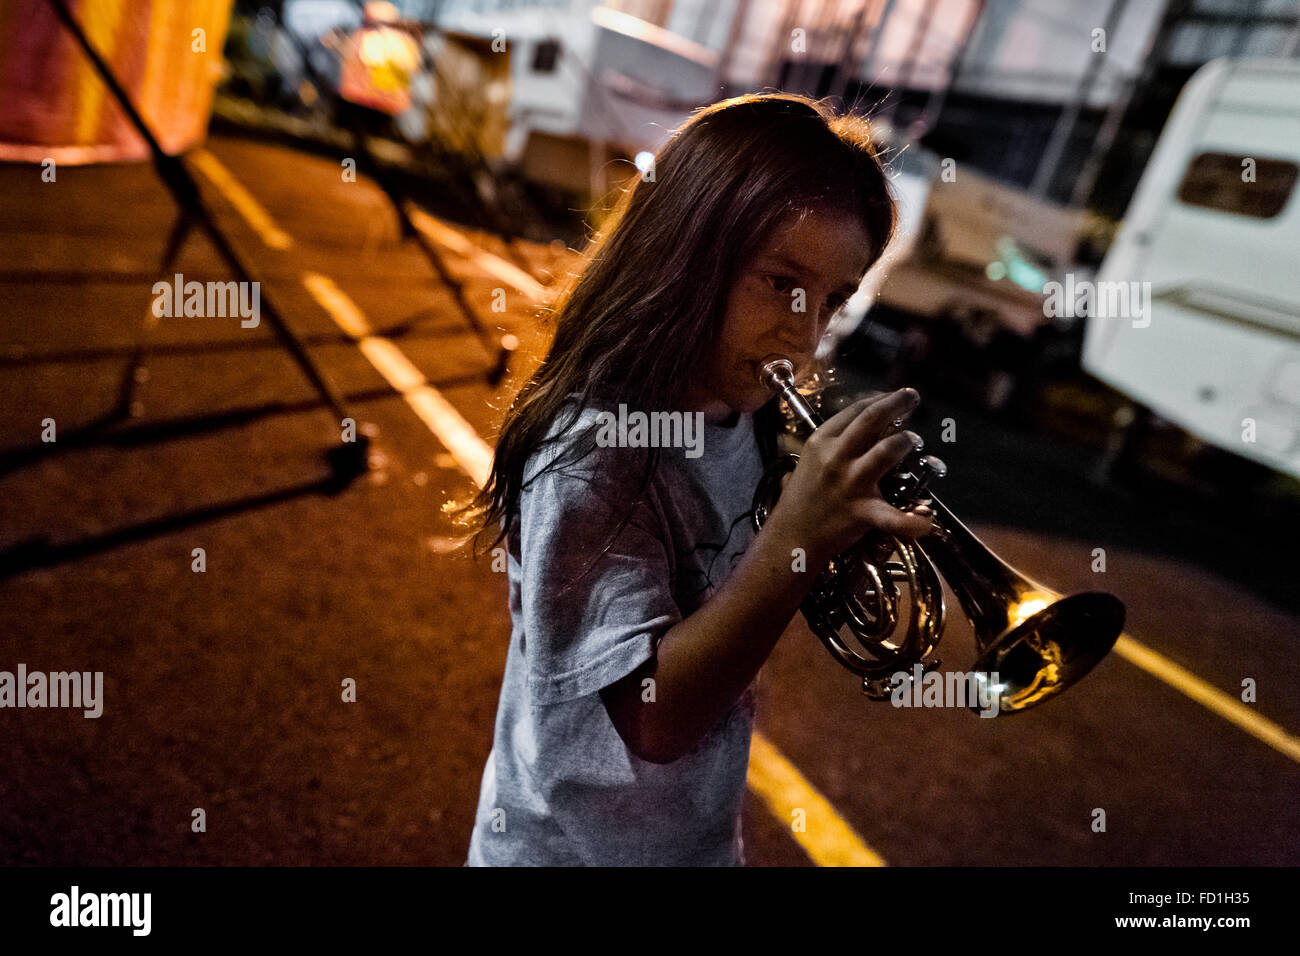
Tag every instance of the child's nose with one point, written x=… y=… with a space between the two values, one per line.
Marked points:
x=800 y=343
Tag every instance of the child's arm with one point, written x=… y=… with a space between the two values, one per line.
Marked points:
x=705 y=662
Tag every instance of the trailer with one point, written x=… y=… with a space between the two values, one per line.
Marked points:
x=1212 y=237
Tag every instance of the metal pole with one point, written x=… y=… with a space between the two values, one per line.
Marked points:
x=868 y=58
x=1242 y=31
x=934 y=103
x=1152 y=55
x=776 y=53
x=1292 y=47
x=909 y=62
x=350 y=458
x=739 y=15
x=839 y=80
x=1051 y=159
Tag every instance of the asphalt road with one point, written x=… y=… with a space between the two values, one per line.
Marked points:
x=222 y=688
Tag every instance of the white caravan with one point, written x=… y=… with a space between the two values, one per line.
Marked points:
x=1214 y=227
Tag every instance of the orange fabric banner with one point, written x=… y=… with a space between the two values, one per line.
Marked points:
x=165 y=53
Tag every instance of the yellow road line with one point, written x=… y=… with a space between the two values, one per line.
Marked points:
x=507 y=272
x=438 y=414
x=824 y=835
x=434 y=410
x=258 y=218
x=1208 y=696
x=443 y=234
x=276 y=238
x=338 y=304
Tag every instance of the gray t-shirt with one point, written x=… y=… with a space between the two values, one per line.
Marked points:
x=560 y=787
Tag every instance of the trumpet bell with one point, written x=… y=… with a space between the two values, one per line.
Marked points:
x=1051 y=649
x=1031 y=642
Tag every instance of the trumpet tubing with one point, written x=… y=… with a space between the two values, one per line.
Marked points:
x=1031 y=642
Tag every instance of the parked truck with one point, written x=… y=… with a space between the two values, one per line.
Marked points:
x=959 y=293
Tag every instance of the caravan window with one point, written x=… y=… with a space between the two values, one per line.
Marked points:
x=1225 y=181
x=545 y=54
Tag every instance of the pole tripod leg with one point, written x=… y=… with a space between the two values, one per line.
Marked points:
x=349 y=458
x=136 y=372
x=495 y=347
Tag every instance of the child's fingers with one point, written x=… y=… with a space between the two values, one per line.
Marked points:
x=883 y=456
x=865 y=430
x=849 y=413
x=905 y=524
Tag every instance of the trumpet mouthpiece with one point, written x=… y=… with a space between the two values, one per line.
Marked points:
x=776 y=373
x=776 y=370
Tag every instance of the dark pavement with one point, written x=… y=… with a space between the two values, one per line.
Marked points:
x=223 y=688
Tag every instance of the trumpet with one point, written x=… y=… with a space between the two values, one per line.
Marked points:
x=1031 y=642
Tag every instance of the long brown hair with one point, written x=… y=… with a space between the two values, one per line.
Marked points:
x=639 y=321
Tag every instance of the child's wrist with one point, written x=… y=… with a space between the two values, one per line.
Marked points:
x=805 y=550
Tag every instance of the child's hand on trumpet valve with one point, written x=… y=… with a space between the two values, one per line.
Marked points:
x=832 y=498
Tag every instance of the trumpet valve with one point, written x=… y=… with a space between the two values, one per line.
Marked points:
x=908 y=484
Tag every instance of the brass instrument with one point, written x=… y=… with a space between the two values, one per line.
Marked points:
x=1035 y=641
